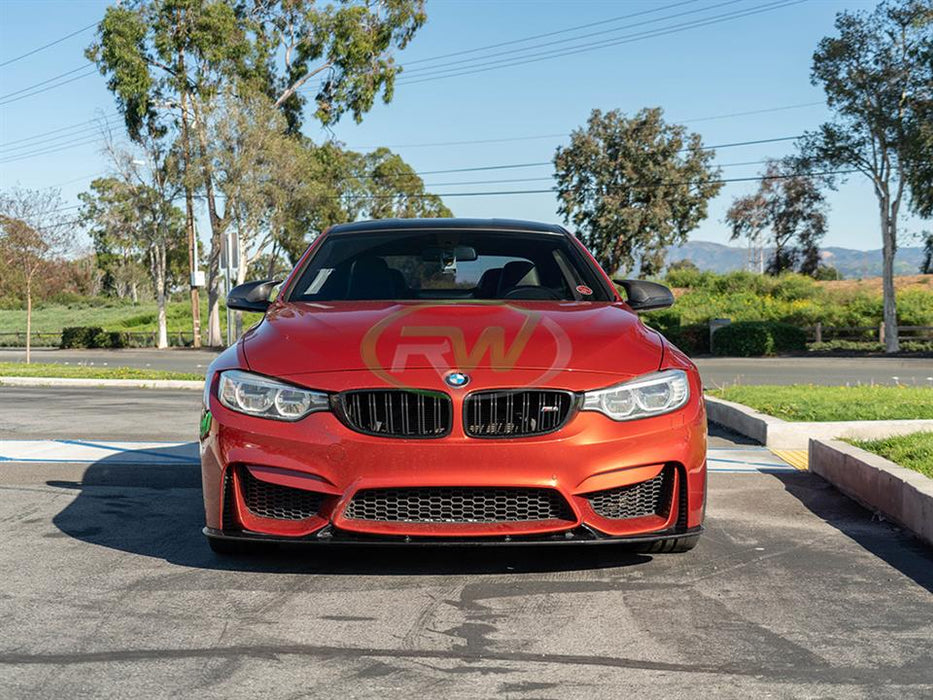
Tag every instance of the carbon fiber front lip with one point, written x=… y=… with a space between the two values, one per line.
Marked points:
x=330 y=536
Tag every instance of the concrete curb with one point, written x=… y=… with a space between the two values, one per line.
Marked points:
x=902 y=495
x=787 y=435
x=128 y=383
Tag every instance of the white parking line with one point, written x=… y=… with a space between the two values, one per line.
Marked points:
x=720 y=459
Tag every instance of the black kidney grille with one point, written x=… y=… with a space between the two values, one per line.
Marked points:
x=458 y=505
x=507 y=414
x=650 y=497
x=275 y=501
x=398 y=412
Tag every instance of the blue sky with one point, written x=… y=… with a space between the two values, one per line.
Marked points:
x=748 y=64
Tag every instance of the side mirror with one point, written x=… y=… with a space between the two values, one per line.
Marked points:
x=251 y=296
x=645 y=296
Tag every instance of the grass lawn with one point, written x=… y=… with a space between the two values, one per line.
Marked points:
x=806 y=402
x=21 y=369
x=914 y=451
x=113 y=315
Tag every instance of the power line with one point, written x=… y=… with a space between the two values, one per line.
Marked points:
x=590 y=35
x=734 y=144
x=501 y=193
x=65 y=139
x=567 y=133
x=542 y=179
x=106 y=117
x=547 y=34
x=45 y=46
x=50 y=87
x=534 y=58
x=17 y=157
x=43 y=82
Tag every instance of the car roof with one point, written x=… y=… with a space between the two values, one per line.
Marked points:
x=492 y=225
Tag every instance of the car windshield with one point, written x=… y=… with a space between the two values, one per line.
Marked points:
x=445 y=264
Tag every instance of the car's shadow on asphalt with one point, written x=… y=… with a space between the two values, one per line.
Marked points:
x=887 y=542
x=155 y=509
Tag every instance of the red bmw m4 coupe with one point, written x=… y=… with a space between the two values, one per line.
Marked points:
x=452 y=381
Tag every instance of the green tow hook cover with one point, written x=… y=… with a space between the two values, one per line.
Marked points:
x=206 y=420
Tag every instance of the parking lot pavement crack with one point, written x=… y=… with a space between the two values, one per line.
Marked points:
x=912 y=674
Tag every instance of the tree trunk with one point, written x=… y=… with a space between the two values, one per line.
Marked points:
x=28 y=320
x=158 y=279
x=214 y=337
x=889 y=237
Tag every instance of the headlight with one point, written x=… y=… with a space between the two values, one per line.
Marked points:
x=260 y=396
x=650 y=395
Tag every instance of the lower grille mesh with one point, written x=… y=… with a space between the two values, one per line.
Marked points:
x=280 y=502
x=228 y=515
x=458 y=505
x=650 y=497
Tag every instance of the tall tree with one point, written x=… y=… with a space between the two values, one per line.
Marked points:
x=136 y=208
x=33 y=233
x=790 y=207
x=877 y=72
x=394 y=190
x=634 y=186
x=177 y=54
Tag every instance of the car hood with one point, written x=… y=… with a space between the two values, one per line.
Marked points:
x=388 y=338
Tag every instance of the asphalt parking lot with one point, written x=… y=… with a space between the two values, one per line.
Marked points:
x=109 y=589
x=716 y=371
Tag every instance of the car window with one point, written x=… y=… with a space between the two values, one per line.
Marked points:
x=447 y=264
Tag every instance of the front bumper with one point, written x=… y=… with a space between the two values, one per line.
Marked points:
x=328 y=535
x=591 y=453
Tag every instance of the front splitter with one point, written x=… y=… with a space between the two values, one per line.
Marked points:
x=331 y=536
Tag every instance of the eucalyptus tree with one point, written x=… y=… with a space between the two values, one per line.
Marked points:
x=632 y=186
x=177 y=54
x=394 y=190
x=877 y=72
x=135 y=209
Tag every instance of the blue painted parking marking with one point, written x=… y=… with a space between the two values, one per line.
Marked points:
x=745 y=459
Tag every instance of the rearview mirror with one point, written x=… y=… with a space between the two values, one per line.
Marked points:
x=646 y=296
x=251 y=296
x=460 y=253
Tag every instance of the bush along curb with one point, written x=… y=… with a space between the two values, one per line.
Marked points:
x=788 y=435
x=757 y=338
x=902 y=495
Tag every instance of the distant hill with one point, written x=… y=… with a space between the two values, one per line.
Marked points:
x=851 y=263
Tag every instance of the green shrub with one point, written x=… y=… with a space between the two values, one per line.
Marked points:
x=688 y=278
x=754 y=339
x=869 y=346
x=692 y=339
x=91 y=337
x=79 y=336
x=662 y=320
x=748 y=339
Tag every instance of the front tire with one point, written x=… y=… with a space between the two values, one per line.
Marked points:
x=672 y=545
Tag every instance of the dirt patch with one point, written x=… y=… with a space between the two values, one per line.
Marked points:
x=873 y=284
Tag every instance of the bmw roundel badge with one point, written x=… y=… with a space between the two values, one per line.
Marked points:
x=457 y=379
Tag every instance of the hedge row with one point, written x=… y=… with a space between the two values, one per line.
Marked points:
x=757 y=338
x=91 y=337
